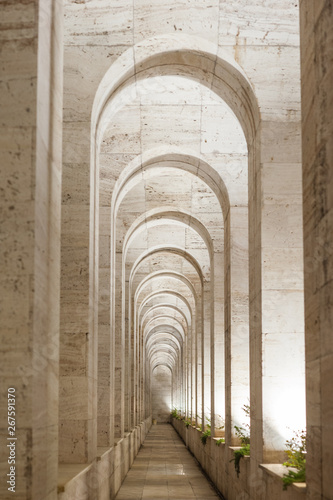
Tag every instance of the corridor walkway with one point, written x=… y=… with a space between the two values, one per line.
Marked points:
x=165 y=469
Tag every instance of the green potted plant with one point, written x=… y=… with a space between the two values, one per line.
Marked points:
x=243 y=433
x=296 y=451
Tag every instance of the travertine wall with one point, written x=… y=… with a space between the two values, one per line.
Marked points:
x=138 y=137
x=31 y=113
x=217 y=461
x=136 y=115
x=317 y=127
x=181 y=232
x=102 y=478
x=161 y=394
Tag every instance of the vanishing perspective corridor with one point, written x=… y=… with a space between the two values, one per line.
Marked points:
x=165 y=470
x=166 y=249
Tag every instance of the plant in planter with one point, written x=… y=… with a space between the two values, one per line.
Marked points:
x=205 y=435
x=220 y=441
x=243 y=433
x=188 y=422
x=176 y=414
x=296 y=451
x=238 y=454
x=208 y=432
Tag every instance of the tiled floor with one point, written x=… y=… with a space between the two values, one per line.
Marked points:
x=165 y=469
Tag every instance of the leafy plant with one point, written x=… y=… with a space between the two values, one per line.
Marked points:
x=293 y=477
x=205 y=435
x=207 y=432
x=188 y=422
x=246 y=410
x=176 y=414
x=296 y=451
x=219 y=441
x=238 y=454
x=243 y=433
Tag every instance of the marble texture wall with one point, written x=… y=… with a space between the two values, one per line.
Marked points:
x=139 y=126
x=102 y=478
x=161 y=394
x=106 y=347
x=179 y=123
x=31 y=102
x=317 y=129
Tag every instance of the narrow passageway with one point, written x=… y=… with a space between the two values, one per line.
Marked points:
x=165 y=469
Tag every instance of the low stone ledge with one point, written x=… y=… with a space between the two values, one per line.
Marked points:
x=118 y=440
x=235 y=448
x=70 y=472
x=102 y=450
x=215 y=460
x=279 y=470
x=109 y=470
x=215 y=439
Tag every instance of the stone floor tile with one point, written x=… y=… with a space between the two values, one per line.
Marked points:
x=165 y=470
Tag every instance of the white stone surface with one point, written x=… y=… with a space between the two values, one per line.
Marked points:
x=181 y=231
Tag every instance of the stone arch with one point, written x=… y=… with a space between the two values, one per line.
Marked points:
x=156 y=216
x=172 y=249
x=192 y=53
x=137 y=322
x=184 y=159
x=162 y=306
x=228 y=82
x=157 y=307
x=167 y=274
x=190 y=367
x=212 y=87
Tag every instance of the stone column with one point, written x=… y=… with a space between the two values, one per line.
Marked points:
x=194 y=368
x=198 y=360
x=317 y=142
x=217 y=344
x=79 y=290
x=276 y=290
x=119 y=354
x=208 y=314
x=237 y=387
x=30 y=199
x=282 y=296
x=105 y=406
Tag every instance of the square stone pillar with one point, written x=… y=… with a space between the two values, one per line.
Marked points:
x=30 y=200
x=317 y=142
